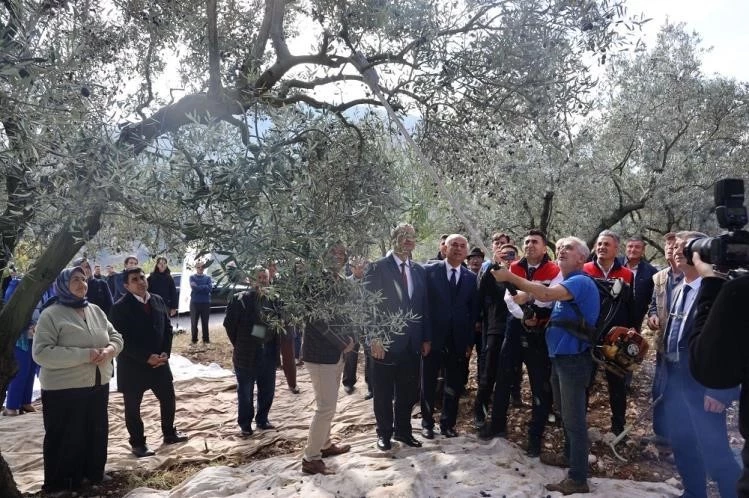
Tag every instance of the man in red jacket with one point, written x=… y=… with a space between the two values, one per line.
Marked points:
x=607 y=266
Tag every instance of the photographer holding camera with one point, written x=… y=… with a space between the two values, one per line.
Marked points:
x=719 y=345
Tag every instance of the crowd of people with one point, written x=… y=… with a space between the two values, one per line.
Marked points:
x=513 y=309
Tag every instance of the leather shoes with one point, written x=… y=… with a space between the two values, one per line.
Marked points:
x=176 y=437
x=335 y=449
x=315 y=467
x=450 y=432
x=408 y=440
x=265 y=426
x=142 y=451
x=383 y=444
x=427 y=433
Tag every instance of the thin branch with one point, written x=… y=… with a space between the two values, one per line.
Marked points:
x=214 y=61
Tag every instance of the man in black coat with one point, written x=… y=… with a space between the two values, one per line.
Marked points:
x=255 y=353
x=395 y=371
x=143 y=364
x=98 y=290
x=643 y=272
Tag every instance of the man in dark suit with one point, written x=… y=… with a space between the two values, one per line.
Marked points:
x=453 y=312
x=695 y=416
x=395 y=369
x=643 y=271
x=142 y=319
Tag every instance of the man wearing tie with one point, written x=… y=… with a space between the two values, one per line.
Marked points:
x=695 y=416
x=453 y=313
x=395 y=370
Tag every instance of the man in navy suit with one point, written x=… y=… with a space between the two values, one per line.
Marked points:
x=143 y=320
x=695 y=416
x=395 y=368
x=453 y=313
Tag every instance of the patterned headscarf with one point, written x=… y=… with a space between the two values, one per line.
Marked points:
x=62 y=286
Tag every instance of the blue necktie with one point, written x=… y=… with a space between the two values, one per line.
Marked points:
x=676 y=321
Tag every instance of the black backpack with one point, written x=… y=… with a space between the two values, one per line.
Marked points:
x=612 y=293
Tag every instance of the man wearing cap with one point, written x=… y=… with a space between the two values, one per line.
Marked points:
x=475 y=259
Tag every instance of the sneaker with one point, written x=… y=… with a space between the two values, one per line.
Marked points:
x=369 y=395
x=294 y=390
x=264 y=426
x=176 y=437
x=9 y=412
x=247 y=432
x=568 y=487
x=348 y=389
x=28 y=408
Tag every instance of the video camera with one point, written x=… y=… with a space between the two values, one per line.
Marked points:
x=730 y=250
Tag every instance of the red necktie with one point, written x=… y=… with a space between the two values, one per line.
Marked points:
x=404 y=277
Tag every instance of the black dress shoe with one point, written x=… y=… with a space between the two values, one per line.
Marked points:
x=449 y=432
x=142 y=451
x=427 y=433
x=177 y=437
x=265 y=426
x=383 y=444
x=408 y=440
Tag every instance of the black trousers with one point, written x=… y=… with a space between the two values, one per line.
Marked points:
x=453 y=363
x=163 y=389
x=76 y=432
x=350 y=361
x=488 y=375
x=395 y=382
x=203 y=312
x=531 y=349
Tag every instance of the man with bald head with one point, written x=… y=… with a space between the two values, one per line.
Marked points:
x=452 y=309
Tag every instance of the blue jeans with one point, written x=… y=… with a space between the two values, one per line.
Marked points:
x=699 y=438
x=263 y=372
x=570 y=375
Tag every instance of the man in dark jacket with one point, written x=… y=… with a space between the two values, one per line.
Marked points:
x=643 y=277
x=695 y=416
x=395 y=371
x=255 y=352
x=453 y=315
x=322 y=350
x=143 y=364
x=98 y=290
x=719 y=345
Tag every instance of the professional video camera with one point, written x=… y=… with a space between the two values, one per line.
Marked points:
x=729 y=251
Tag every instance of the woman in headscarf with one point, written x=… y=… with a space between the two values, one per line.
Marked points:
x=74 y=344
x=161 y=283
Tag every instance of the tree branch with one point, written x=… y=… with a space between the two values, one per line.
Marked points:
x=214 y=61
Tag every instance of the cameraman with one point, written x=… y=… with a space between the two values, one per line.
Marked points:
x=719 y=346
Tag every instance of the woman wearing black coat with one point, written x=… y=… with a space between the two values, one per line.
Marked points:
x=161 y=283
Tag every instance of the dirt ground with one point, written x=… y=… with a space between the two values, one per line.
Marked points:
x=644 y=462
